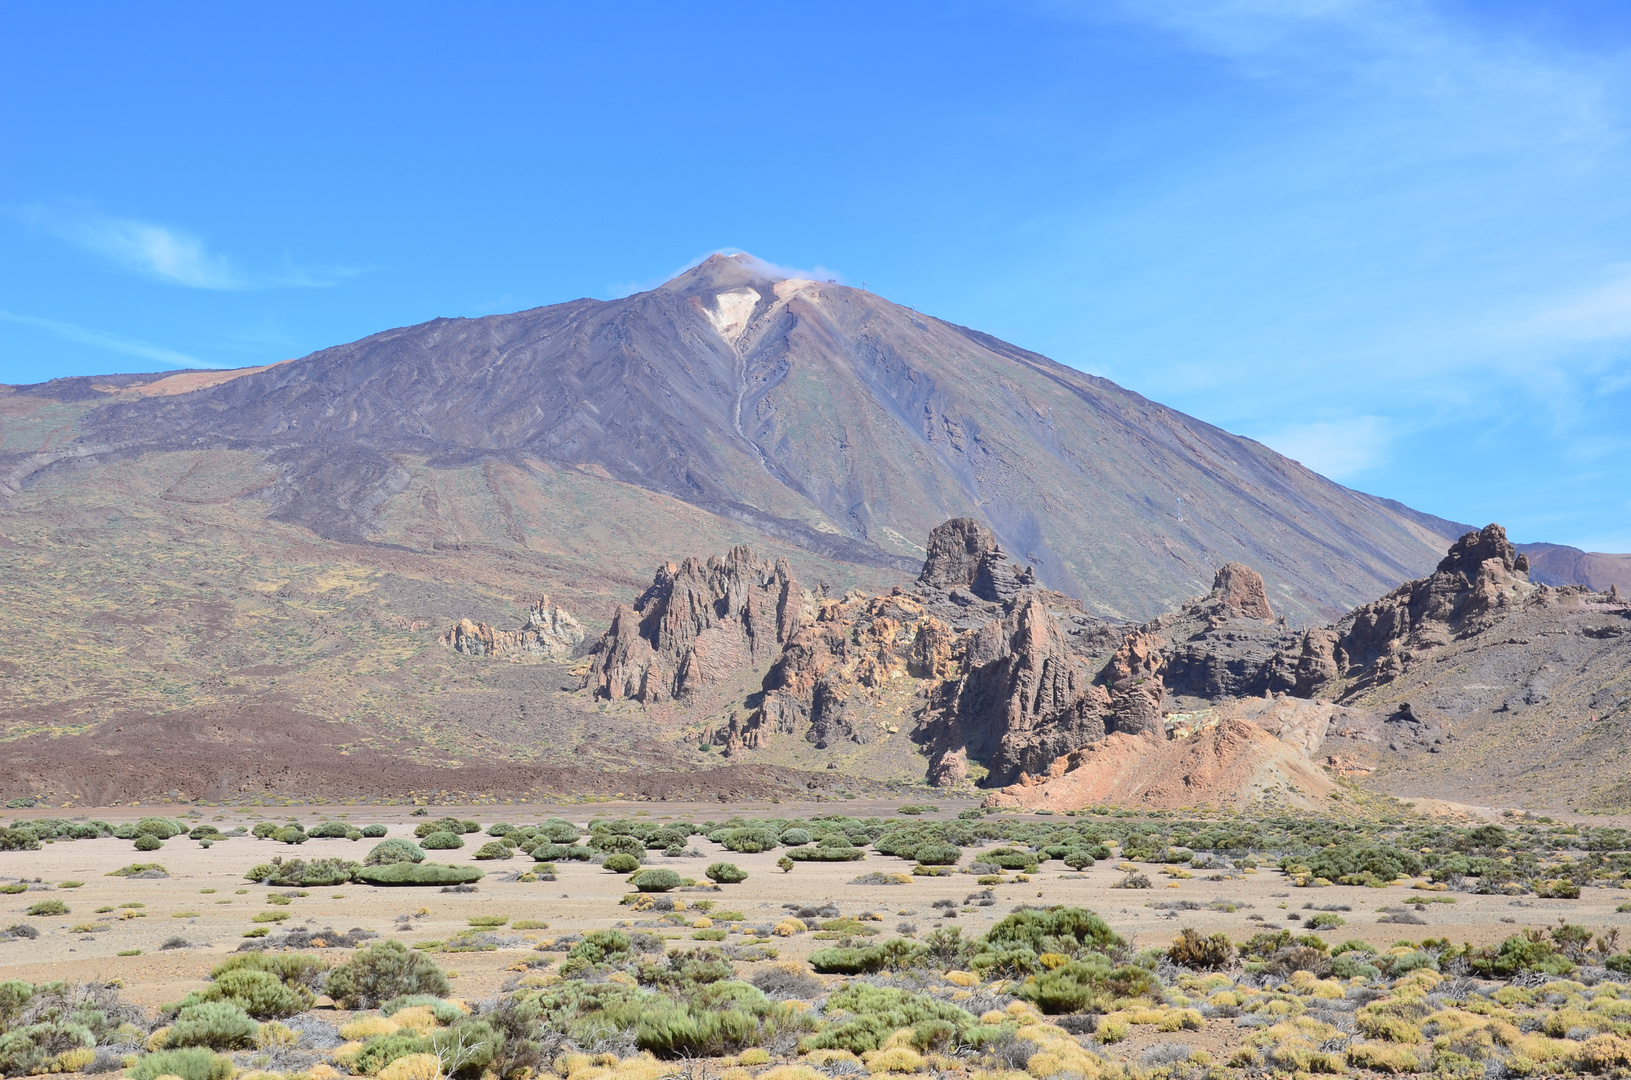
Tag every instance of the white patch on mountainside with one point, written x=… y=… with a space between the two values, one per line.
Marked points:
x=785 y=289
x=731 y=311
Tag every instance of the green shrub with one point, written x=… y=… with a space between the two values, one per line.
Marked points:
x=446 y=824
x=18 y=840
x=294 y=969
x=937 y=854
x=441 y=841
x=897 y=954
x=374 y=831
x=290 y=834
x=1076 y=985
x=385 y=971
x=48 y=907
x=190 y=1063
x=139 y=869
x=298 y=872
x=1010 y=858
x=559 y=831
x=1619 y=962
x=381 y=1050
x=547 y=852
x=794 y=837
x=263 y=829
x=1079 y=858
x=500 y=828
x=726 y=873
x=148 y=842
x=417 y=874
x=601 y=947
x=219 y=1025
x=1351 y=965
x=621 y=863
x=1358 y=860
x=205 y=832
x=825 y=854
x=748 y=841
x=1517 y=954
x=865 y=1015
x=33 y=1048
x=655 y=880
x=162 y=828
x=494 y=849
x=261 y=994
x=1066 y=930
x=395 y=850
x=1326 y=920
x=617 y=844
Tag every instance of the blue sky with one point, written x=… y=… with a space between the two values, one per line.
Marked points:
x=1389 y=238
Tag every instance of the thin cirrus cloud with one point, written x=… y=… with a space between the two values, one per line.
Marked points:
x=112 y=342
x=173 y=256
x=1341 y=449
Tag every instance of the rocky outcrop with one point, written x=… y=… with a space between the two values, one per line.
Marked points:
x=964 y=554
x=956 y=549
x=1238 y=592
x=550 y=633
x=698 y=623
x=1137 y=687
x=854 y=652
x=1228 y=642
x=1025 y=699
x=1482 y=580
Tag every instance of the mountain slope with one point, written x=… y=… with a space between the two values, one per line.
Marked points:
x=814 y=413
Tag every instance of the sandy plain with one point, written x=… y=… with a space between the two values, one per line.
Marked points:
x=206 y=900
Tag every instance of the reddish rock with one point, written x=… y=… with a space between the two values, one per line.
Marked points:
x=1240 y=590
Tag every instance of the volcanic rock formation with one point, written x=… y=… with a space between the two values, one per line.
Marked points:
x=698 y=622
x=550 y=633
x=1481 y=581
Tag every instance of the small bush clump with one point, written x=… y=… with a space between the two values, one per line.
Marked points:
x=726 y=873
x=418 y=874
x=219 y=1025
x=190 y=1063
x=385 y=971
x=1191 y=949
x=655 y=880
x=395 y=850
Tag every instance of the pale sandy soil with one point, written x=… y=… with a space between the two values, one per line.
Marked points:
x=586 y=897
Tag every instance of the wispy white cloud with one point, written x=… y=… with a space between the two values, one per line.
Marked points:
x=112 y=342
x=165 y=253
x=1596 y=313
x=1340 y=449
x=1503 y=89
